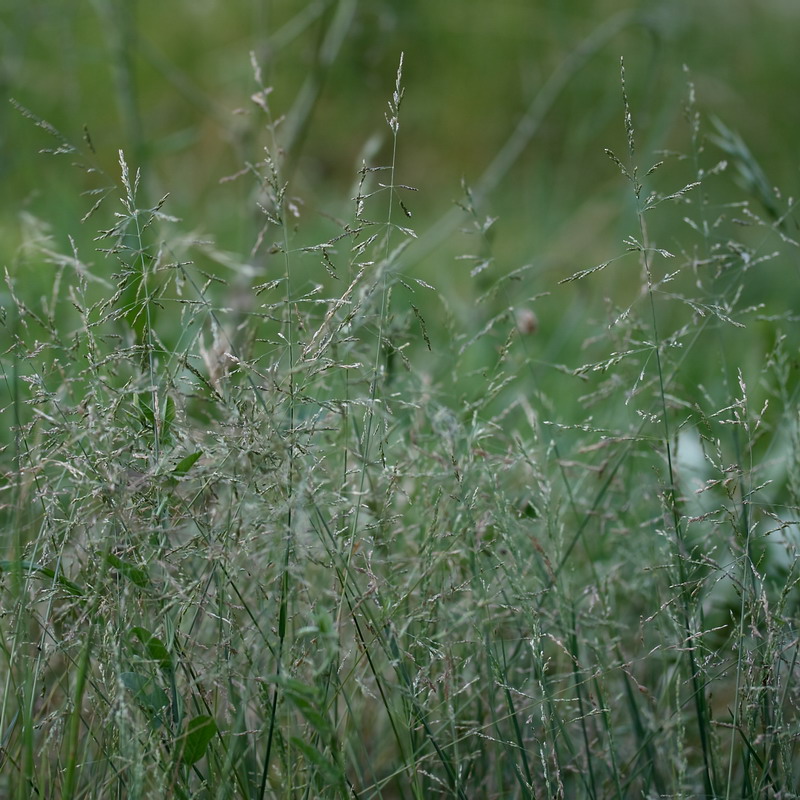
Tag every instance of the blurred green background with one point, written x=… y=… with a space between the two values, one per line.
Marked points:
x=170 y=84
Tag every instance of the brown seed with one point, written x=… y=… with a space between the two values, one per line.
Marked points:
x=527 y=321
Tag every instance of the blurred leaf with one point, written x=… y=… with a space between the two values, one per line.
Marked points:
x=752 y=176
x=293 y=686
x=199 y=732
x=169 y=418
x=144 y=407
x=329 y=771
x=185 y=464
x=156 y=649
x=30 y=566
x=133 y=573
x=306 y=699
x=145 y=691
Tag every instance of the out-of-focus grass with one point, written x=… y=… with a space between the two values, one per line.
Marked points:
x=164 y=80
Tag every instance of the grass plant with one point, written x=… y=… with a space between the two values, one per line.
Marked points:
x=292 y=528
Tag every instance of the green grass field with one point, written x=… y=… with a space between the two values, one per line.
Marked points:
x=401 y=400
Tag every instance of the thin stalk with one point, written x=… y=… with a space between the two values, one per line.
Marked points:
x=527 y=783
x=591 y=785
x=283 y=603
x=394 y=124
x=73 y=730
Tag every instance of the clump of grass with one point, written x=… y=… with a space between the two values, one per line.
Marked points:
x=255 y=549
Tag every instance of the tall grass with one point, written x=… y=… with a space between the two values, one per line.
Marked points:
x=318 y=537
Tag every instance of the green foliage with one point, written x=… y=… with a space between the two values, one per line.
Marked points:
x=291 y=520
x=199 y=732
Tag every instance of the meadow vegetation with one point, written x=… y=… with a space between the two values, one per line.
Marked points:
x=305 y=520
